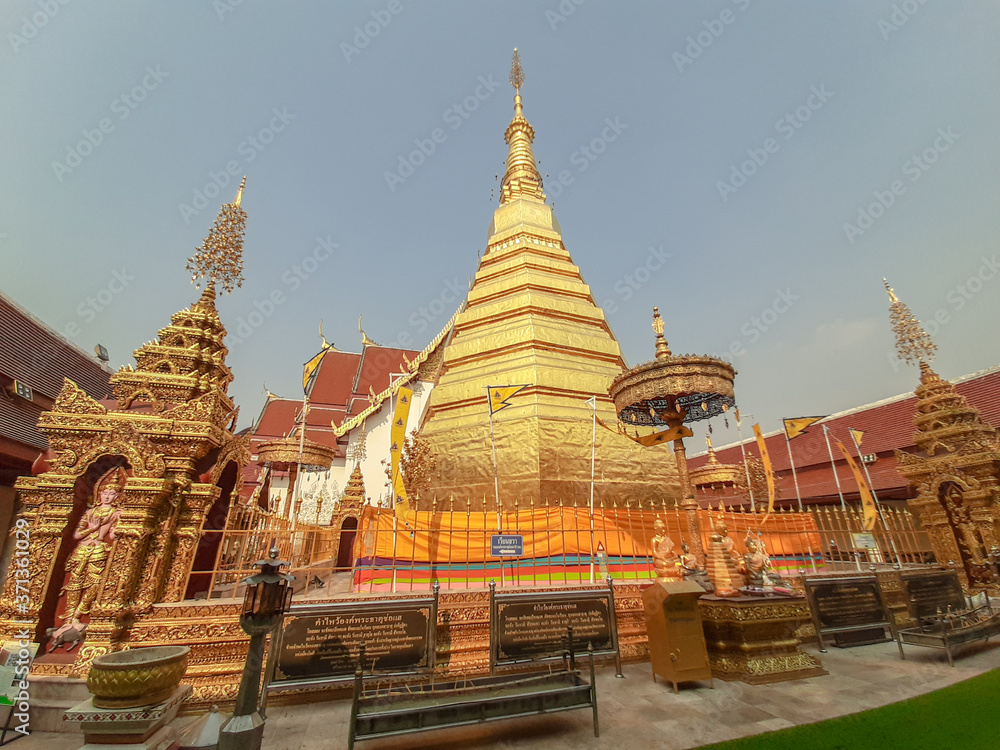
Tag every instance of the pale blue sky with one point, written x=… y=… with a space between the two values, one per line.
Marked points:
x=213 y=76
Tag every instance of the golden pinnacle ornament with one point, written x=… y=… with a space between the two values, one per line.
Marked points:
x=913 y=344
x=219 y=259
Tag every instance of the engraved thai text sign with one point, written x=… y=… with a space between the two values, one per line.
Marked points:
x=535 y=625
x=847 y=603
x=926 y=593
x=507 y=545
x=322 y=643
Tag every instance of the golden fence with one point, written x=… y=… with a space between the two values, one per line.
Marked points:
x=559 y=545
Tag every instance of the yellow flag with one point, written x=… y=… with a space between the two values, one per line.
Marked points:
x=657 y=438
x=766 y=459
x=398 y=434
x=795 y=427
x=666 y=435
x=857 y=435
x=867 y=501
x=499 y=394
x=310 y=370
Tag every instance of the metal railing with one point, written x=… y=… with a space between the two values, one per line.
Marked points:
x=560 y=545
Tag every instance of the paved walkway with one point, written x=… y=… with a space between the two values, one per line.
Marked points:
x=638 y=713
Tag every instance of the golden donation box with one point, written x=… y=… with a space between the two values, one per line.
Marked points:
x=676 y=640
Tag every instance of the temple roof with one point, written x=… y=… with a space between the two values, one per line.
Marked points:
x=34 y=354
x=888 y=425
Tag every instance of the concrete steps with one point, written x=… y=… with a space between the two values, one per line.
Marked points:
x=51 y=697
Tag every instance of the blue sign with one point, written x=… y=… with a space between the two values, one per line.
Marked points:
x=507 y=545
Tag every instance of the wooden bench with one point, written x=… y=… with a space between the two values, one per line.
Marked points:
x=418 y=708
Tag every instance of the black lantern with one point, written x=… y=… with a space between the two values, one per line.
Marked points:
x=269 y=592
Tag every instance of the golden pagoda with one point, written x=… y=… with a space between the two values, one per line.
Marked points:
x=121 y=509
x=531 y=320
x=957 y=470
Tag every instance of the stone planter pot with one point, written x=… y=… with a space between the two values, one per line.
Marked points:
x=137 y=677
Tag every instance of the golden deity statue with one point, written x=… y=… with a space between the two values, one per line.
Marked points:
x=664 y=561
x=756 y=563
x=95 y=534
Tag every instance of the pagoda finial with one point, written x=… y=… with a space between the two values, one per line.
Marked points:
x=219 y=259
x=913 y=344
x=521 y=179
x=516 y=72
x=892 y=294
x=662 y=350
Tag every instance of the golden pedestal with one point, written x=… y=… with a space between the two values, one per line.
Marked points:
x=677 y=649
x=752 y=638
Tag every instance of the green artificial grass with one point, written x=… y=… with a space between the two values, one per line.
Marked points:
x=959 y=717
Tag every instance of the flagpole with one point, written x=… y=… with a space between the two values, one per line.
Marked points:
x=795 y=477
x=298 y=469
x=826 y=434
x=493 y=442
x=593 y=453
x=746 y=468
x=871 y=488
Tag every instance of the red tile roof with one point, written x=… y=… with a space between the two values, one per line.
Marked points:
x=888 y=426
x=335 y=380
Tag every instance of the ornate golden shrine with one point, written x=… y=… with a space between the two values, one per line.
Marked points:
x=957 y=472
x=169 y=445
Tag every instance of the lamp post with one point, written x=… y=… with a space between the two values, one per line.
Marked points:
x=268 y=596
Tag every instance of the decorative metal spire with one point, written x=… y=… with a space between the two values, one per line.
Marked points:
x=516 y=72
x=662 y=350
x=913 y=344
x=521 y=179
x=219 y=259
x=359 y=450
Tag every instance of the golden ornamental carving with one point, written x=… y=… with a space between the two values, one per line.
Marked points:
x=72 y=399
x=236 y=450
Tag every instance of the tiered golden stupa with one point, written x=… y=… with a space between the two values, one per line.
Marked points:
x=531 y=320
x=957 y=472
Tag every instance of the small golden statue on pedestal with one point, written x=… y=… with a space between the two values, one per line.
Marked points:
x=664 y=562
x=757 y=564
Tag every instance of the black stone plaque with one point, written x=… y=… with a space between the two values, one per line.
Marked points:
x=326 y=646
x=847 y=603
x=927 y=592
x=529 y=629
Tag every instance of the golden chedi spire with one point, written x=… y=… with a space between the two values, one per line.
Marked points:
x=354 y=493
x=521 y=179
x=913 y=344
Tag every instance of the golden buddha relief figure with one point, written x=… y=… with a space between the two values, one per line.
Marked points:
x=94 y=534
